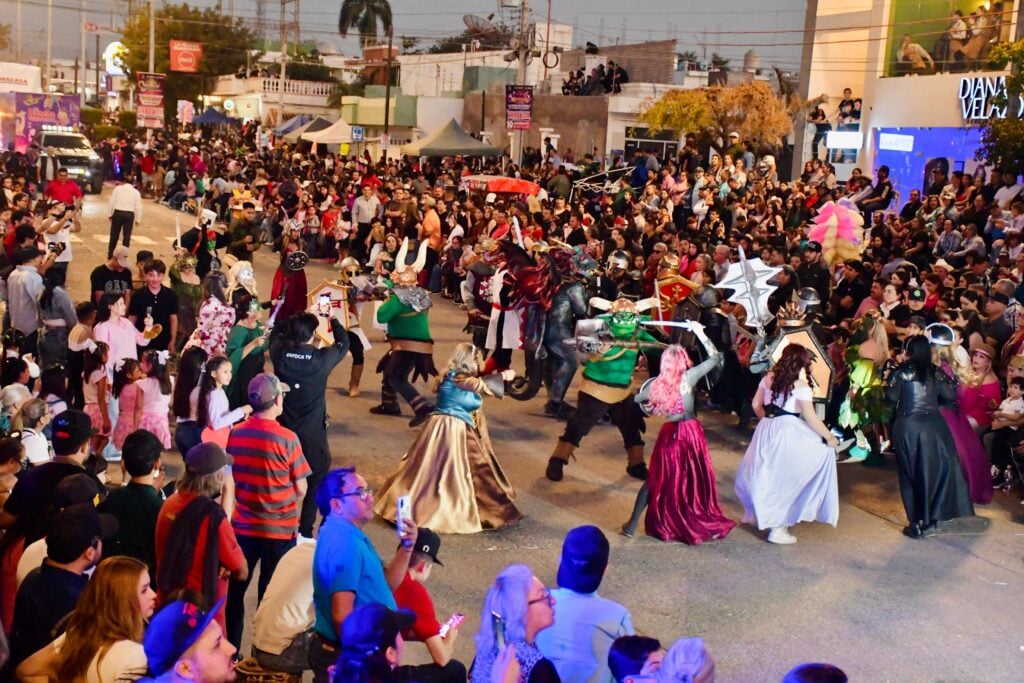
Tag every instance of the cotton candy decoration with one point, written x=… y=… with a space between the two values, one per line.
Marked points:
x=839 y=229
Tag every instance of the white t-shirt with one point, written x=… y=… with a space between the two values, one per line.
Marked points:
x=124 y=661
x=31 y=559
x=37 y=449
x=287 y=607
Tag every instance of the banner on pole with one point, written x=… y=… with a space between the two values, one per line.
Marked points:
x=33 y=111
x=186 y=111
x=186 y=55
x=149 y=99
x=518 y=107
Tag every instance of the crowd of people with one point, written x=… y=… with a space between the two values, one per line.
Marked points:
x=921 y=328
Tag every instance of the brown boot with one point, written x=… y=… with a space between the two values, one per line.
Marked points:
x=353 y=382
x=559 y=459
x=635 y=465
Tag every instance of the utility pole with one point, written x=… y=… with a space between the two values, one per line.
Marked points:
x=97 y=65
x=49 y=44
x=81 y=31
x=387 y=93
x=152 y=36
x=803 y=89
x=17 y=29
x=284 y=63
x=525 y=46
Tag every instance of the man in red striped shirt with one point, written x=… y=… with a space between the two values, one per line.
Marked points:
x=270 y=482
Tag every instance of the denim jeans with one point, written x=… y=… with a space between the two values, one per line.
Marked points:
x=265 y=551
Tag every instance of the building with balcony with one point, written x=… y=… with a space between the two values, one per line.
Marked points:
x=260 y=97
x=921 y=72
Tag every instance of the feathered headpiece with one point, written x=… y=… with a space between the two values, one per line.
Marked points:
x=839 y=229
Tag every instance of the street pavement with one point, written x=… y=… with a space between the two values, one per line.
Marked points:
x=861 y=596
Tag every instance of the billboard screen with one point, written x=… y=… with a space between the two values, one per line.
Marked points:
x=945 y=36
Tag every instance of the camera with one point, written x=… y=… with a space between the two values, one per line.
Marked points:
x=56 y=247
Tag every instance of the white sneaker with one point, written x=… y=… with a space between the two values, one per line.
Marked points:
x=304 y=539
x=780 y=536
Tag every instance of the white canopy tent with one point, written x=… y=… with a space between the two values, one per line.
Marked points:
x=337 y=133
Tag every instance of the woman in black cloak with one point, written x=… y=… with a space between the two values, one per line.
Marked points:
x=931 y=482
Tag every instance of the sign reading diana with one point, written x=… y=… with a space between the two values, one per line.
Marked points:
x=977 y=98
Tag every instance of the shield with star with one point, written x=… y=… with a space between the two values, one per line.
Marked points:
x=748 y=280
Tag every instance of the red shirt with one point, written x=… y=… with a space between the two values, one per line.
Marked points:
x=148 y=165
x=268 y=463
x=411 y=595
x=63 y=191
x=231 y=557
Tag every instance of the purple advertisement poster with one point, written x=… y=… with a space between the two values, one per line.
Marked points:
x=33 y=111
x=518 y=107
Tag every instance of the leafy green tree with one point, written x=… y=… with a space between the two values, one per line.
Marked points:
x=225 y=42
x=452 y=44
x=363 y=17
x=309 y=71
x=1002 y=139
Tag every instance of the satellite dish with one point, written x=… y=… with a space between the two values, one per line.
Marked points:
x=479 y=27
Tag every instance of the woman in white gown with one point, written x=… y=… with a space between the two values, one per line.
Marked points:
x=788 y=474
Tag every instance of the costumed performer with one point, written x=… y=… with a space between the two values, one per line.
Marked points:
x=788 y=474
x=450 y=471
x=607 y=385
x=931 y=482
x=290 y=278
x=412 y=350
x=973 y=460
x=683 y=496
x=864 y=411
x=358 y=342
x=568 y=305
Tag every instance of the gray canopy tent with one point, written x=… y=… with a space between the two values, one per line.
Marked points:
x=450 y=140
x=319 y=123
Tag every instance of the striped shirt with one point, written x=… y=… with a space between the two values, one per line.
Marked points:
x=268 y=462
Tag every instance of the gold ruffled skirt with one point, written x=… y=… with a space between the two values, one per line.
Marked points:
x=453 y=478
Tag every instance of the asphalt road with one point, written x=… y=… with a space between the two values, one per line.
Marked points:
x=862 y=596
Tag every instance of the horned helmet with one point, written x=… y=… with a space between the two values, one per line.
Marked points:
x=407 y=274
x=349 y=268
x=624 y=314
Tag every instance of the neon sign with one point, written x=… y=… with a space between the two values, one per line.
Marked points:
x=978 y=98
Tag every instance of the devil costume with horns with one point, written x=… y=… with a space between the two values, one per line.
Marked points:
x=412 y=349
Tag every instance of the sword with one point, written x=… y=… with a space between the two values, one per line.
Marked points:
x=277 y=309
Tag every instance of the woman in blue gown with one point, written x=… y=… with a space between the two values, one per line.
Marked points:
x=450 y=472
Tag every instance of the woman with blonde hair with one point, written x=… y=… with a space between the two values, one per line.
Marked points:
x=450 y=471
x=973 y=460
x=103 y=640
x=687 y=661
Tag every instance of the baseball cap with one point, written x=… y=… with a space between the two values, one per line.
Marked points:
x=264 y=388
x=584 y=559
x=370 y=628
x=173 y=630
x=121 y=254
x=79 y=489
x=491 y=198
x=428 y=543
x=74 y=529
x=917 y=294
x=1000 y=297
x=734 y=134
x=814 y=246
x=207 y=458
x=69 y=431
x=917 y=321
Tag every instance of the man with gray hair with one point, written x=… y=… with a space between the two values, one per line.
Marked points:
x=586 y=624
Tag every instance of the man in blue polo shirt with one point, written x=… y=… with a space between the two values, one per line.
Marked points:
x=347 y=571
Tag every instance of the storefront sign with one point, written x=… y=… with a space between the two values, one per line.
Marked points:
x=20 y=78
x=185 y=55
x=149 y=99
x=895 y=142
x=518 y=107
x=977 y=95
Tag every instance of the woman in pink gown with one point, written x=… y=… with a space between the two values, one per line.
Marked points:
x=680 y=490
x=973 y=461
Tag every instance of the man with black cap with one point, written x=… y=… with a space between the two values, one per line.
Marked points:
x=50 y=592
x=270 y=482
x=586 y=624
x=185 y=643
x=813 y=273
x=412 y=595
x=372 y=643
x=849 y=292
x=196 y=547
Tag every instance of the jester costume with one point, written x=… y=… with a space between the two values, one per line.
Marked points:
x=607 y=387
x=412 y=349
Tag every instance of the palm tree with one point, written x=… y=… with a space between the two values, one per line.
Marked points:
x=719 y=62
x=363 y=16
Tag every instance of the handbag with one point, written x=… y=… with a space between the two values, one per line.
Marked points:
x=217 y=436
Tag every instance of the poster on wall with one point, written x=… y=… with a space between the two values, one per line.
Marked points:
x=149 y=99
x=33 y=111
x=945 y=36
x=518 y=107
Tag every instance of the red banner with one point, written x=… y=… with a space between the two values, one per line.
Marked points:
x=186 y=55
x=149 y=99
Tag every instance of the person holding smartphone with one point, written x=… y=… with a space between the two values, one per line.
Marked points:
x=439 y=638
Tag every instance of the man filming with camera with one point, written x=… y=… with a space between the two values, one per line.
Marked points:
x=60 y=223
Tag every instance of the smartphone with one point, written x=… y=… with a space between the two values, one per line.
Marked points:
x=404 y=504
x=498 y=624
x=325 y=304
x=453 y=622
